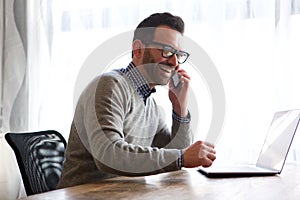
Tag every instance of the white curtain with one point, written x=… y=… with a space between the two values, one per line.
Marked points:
x=14 y=70
x=23 y=26
x=14 y=91
x=254 y=45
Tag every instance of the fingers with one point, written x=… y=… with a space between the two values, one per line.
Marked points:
x=199 y=154
x=184 y=78
x=208 y=160
x=209 y=144
x=211 y=156
x=206 y=148
x=183 y=74
x=207 y=154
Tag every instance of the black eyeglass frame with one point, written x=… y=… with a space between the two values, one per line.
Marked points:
x=171 y=50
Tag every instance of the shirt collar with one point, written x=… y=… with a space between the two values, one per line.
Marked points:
x=138 y=81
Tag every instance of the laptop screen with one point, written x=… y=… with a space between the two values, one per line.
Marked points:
x=279 y=139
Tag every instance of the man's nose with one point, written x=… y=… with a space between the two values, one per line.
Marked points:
x=173 y=60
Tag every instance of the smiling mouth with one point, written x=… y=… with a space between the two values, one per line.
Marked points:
x=165 y=69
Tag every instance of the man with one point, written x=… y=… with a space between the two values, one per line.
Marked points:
x=119 y=130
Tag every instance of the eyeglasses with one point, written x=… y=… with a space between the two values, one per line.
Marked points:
x=168 y=51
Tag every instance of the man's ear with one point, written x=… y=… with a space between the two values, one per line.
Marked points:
x=138 y=49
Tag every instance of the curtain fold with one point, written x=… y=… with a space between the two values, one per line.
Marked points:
x=14 y=67
x=14 y=91
x=40 y=39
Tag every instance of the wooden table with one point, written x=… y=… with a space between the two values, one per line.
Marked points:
x=186 y=184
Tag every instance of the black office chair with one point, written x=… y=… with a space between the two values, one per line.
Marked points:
x=40 y=157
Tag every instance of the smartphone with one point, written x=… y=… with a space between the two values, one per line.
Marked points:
x=175 y=79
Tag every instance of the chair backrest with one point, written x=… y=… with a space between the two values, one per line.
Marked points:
x=40 y=157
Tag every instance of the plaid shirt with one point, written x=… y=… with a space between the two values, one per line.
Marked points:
x=138 y=81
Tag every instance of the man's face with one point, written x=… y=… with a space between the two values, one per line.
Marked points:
x=159 y=70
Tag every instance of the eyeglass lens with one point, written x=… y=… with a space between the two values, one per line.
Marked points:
x=168 y=52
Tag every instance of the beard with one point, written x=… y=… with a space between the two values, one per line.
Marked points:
x=157 y=73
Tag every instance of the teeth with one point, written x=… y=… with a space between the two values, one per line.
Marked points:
x=166 y=70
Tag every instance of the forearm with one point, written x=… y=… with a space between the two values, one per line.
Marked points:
x=180 y=136
x=119 y=157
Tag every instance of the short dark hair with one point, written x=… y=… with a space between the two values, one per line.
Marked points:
x=145 y=30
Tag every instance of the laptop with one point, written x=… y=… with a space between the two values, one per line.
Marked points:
x=273 y=153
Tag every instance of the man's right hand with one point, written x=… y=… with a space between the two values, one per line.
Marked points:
x=199 y=154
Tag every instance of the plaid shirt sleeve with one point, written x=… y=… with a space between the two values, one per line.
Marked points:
x=180 y=160
x=184 y=120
